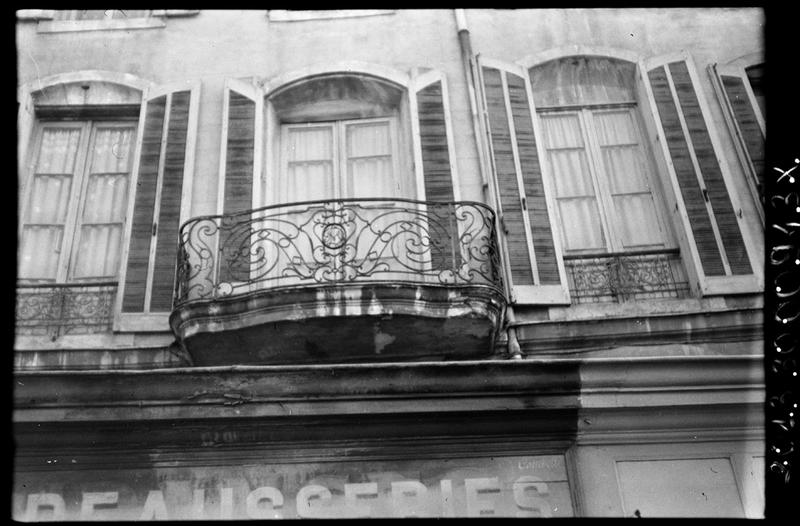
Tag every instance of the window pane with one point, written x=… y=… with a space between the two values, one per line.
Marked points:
x=581 y=223
x=112 y=150
x=621 y=152
x=106 y=198
x=311 y=144
x=49 y=199
x=58 y=150
x=583 y=80
x=99 y=244
x=39 y=252
x=368 y=139
x=310 y=164
x=567 y=154
x=634 y=211
x=98 y=251
x=105 y=201
x=308 y=181
x=636 y=220
x=369 y=162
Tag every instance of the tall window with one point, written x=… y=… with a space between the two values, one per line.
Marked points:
x=604 y=182
x=76 y=201
x=616 y=239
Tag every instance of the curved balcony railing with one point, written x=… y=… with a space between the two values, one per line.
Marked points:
x=340 y=241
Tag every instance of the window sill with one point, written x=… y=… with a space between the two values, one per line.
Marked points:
x=283 y=15
x=67 y=26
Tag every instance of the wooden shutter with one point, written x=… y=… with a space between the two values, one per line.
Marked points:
x=715 y=244
x=434 y=155
x=160 y=202
x=745 y=122
x=240 y=160
x=523 y=195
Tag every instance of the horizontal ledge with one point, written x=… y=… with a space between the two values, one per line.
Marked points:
x=527 y=362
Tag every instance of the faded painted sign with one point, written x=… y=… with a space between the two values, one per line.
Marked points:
x=519 y=486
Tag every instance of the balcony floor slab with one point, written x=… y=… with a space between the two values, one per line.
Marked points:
x=373 y=322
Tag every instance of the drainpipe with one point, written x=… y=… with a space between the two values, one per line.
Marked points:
x=472 y=77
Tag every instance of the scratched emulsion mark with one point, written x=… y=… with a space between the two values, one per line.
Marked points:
x=783 y=287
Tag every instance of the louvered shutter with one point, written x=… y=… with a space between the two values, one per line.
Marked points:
x=240 y=162
x=160 y=202
x=531 y=247
x=714 y=242
x=745 y=122
x=434 y=155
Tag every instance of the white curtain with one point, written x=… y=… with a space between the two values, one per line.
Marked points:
x=369 y=161
x=43 y=228
x=575 y=194
x=626 y=170
x=99 y=229
x=309 y=170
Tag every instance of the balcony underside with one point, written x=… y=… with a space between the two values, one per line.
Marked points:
x=356 y=322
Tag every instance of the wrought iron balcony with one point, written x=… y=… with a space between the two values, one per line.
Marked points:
x=339 y=280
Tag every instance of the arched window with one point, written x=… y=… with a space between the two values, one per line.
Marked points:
x=341 y=136
x=605 y=185
x=77 y=189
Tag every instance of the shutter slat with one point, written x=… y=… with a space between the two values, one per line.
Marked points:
x=699 y=218
x=239 y=161
x=144 y=207
x=538 y=215
x=170 y=206
x=436 y=173
x=747 y=122
x=516 y=239
x=724 y=213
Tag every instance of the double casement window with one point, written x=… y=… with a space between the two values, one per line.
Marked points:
x=603 y=181
x=77 y=196
x=340 y=159
x=106 y=180
x=610 y=184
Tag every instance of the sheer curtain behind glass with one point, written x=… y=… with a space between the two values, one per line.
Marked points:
x=72 y=225
x=99 y=235
x=575 y=192
x=595 y=152
x=53 y=178
x=626 y=171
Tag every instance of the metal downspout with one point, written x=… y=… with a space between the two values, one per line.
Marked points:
x=470 y=73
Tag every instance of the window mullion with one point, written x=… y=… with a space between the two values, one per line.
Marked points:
x=339 y=160
x=599 y=180
x=81 y=204
x=63 y=272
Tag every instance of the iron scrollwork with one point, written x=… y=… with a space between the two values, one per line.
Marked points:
x=56 y=310
x=337 y=241
x=626 y=277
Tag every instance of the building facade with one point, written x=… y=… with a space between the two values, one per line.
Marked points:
x=389 y=263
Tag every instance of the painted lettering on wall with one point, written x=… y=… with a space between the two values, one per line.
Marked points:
x=509 y=487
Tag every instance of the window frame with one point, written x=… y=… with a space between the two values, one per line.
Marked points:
x=609 y=215
x=342 y=187
x=77 y=194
